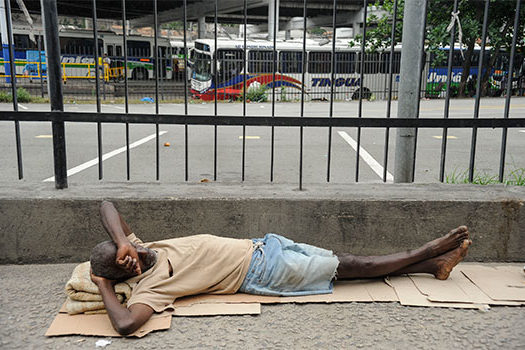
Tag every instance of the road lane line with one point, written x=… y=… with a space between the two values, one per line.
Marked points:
x=108 y=155
x=23 y=107
x=372 y=163
x=117 y=107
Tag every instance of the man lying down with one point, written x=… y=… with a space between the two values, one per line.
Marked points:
x=166 y=270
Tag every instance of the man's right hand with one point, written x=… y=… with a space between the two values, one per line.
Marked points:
x=128 y=259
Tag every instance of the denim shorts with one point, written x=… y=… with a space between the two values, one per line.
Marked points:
x=281 y=267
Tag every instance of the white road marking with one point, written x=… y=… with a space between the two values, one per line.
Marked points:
x=23 y=107
x=439 y=137
x=106 y=156
x=43 y=136
x=117 y=107
x=250 y=137
x=521 y=130
x=372 y=163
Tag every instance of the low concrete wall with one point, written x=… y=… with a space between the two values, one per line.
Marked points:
x=39 y=224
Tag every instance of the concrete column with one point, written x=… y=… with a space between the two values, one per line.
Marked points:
x=273 y=18
x=408 y=106
x=201 y=27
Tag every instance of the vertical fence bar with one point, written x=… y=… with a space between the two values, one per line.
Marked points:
x=54 y=84
x=215 y=93
x=390 y=75
x=478 y=92
x=303 y=70
x=331 y=108
x=447 y=98
x=244 y=90
x=509 y=91
x=185 y=90
x=99 y=124
x=156 y=71
x=12 y=66
x=275 y=21
x=126 y=102
x=421 y=71
x=361 y=79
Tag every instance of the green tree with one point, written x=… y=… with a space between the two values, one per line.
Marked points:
x=499 y=31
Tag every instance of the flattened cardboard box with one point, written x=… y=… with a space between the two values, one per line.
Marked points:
x=208 y=305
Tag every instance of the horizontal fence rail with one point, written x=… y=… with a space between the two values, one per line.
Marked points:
x=195 y=119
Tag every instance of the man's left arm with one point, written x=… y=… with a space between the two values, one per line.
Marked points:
x=124 y=320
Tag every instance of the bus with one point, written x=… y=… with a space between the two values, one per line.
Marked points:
x=437 y=68
x=257 y=67
x=78 y=52
x=177 y=49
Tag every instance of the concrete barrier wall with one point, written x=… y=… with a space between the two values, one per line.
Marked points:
x=39 y=224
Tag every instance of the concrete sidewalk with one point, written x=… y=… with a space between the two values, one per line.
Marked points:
x=32 y=294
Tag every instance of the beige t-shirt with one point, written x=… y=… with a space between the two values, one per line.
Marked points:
x=201 y=264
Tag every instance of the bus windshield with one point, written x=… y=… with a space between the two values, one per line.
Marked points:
x=202 y=66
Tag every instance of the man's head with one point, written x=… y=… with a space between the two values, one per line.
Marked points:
x=103 y=261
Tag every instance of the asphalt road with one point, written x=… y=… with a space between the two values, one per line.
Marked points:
x=32 y=294
x=81 y=139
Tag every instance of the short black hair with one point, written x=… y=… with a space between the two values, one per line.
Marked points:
x=103 y=262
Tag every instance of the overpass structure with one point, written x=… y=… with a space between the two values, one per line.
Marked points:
x=259 y=12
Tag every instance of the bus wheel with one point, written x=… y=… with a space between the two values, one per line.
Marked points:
x=139 y=74
x=366 y=94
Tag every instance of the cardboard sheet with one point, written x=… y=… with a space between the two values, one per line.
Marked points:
x=499 y=283
x=218 y=309
x=344 y=291
x=457 y=288
x=409 y=295
x=100 y=325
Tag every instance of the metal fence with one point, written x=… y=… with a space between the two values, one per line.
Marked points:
x=361 y=63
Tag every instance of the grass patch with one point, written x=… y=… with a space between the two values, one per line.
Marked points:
x=514 y=178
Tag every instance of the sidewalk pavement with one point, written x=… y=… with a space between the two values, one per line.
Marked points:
x=31 y=295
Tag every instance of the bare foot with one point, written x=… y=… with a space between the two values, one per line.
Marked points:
x=448 y=242
x=446 y=262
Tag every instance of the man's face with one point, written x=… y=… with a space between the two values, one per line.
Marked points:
x=147 y=257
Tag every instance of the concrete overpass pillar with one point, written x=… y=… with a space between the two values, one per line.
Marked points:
x=201 y=27
x=273 y=18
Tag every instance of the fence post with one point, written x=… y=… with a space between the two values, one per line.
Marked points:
x=408 y=106
x=54 y=85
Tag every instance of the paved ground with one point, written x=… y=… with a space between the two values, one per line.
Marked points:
x=81 y=139
x=31 y=295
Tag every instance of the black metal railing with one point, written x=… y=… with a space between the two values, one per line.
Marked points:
x=387 y=61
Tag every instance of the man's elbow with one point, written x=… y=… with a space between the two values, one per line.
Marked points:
x=126 y=328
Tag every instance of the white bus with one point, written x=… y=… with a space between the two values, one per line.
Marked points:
x=232 y=67
x=78 y=52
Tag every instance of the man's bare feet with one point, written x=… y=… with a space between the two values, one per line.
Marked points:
x=448 y=242
x=446 y=262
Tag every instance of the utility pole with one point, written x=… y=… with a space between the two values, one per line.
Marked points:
x=408 y=106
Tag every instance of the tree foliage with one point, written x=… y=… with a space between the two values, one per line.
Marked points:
x=500 y=28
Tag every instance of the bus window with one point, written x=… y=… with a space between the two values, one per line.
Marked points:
x=110 y=50
x=80 y=46
x=371 y=63
x=119 y=51
x=457 y=59
x=22 y=42
x=344 y=62
x=260 y=61
x=396 y=63
x=230 y=62
x=139 y=48
x=291 y=61
x=320 y=62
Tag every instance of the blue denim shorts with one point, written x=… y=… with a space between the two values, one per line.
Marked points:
x=281 y=267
